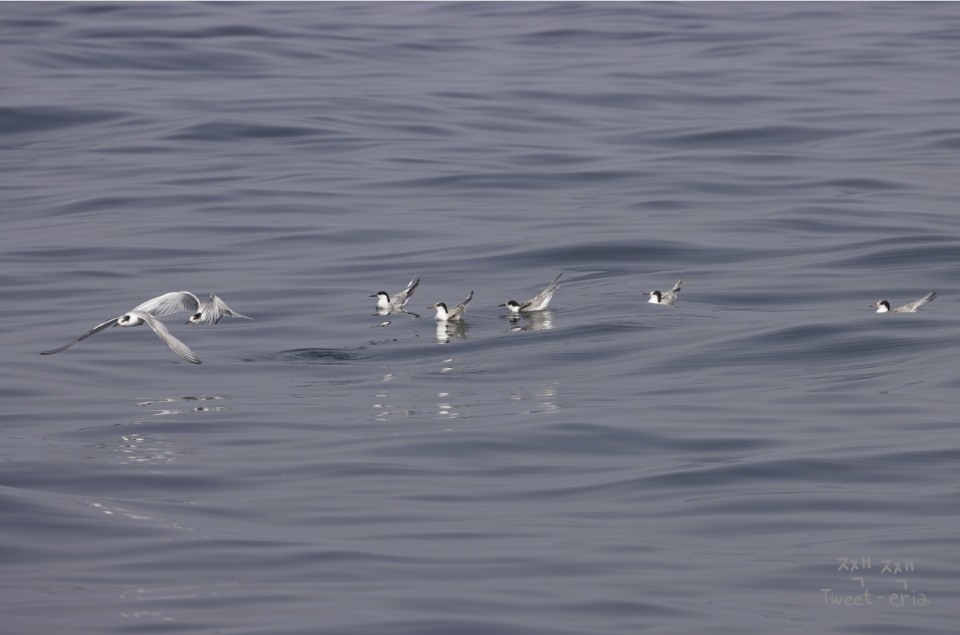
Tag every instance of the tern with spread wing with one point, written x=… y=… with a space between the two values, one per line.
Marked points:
x=537 y=303
x=443 y=315
x=666 y=298
x=208 y=312
x=387 y=305
x=136 y=318
x=884 y=307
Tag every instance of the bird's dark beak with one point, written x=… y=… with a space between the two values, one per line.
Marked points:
x=504 y=304
x=374 y=295
x=647 y=293
x=116 y=324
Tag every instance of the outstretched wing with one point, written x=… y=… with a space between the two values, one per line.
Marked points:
x=672 y=293
x=216 y=309
x=170 y=303
x=543 y=298
x=401 y=298
x=93 y=331
x=460 y=309
x=913 y=306
x=175 y=345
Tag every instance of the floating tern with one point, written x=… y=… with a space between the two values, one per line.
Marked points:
x=884 y=307
x=136 y=318
x=449 y=316
x=666 y=298
x=538 y=303
x=387 y=305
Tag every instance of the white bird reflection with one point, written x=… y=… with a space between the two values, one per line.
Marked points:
x=530 y=321
x=177 y=411
x=399 y=406
x=543 y=399
x=386 y=411
x=447 y=331
x=137 y=448
x=446 y=406
x=148 y=448
x=175 y=399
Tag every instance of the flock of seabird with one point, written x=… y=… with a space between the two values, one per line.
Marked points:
x=208 y=312
x=211 y=311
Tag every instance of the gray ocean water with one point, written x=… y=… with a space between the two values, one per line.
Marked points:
x=609 y=466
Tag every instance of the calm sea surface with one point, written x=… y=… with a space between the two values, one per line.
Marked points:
x=609 y=466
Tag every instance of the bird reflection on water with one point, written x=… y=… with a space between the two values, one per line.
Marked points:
x=447 y=331
x=533 y=321
x=542 y=399
x=152 y=442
